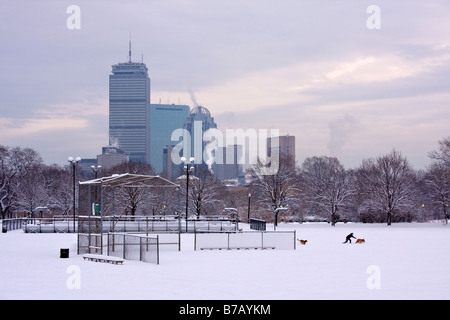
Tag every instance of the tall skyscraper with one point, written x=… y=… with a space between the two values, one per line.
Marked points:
x=129 y=109
x=164 y=119
x=198 y=122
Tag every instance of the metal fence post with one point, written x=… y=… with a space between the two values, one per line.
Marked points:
x=157 y=249
x=123 y=246
x=195 y=240
x=262 y=240
x=140 y=249
x=294 y=240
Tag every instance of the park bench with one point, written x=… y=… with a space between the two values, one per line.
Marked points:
x=102 y=258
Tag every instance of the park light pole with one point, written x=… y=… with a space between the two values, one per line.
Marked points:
x=275 y=216
x=74 y=162
x=249 y=201
x=95 y=170
x=188 y=167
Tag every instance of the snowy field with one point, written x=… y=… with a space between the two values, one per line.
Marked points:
x=404 y=261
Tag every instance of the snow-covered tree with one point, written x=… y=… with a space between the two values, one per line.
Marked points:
x=57 y=183
x=442 y=154
x=32 y=189
x=387 y=184
x=438 y=181
x=275 y=190
x=327 y=184
x=204 y=192
x=131 y=200
x=15 y=164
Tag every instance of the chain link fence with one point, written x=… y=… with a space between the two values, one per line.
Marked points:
x=245 y=240
x=133 y=247
x=122 y=245
x=97 y=224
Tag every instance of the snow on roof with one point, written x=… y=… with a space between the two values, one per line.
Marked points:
x=128 y=179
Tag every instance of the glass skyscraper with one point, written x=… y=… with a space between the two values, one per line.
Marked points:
x=164 y=119
x=129 y=109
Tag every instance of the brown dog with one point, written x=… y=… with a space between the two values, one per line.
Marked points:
x=303 y=242
x=360 y=241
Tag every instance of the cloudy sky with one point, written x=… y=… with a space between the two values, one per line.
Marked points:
x=310 y=68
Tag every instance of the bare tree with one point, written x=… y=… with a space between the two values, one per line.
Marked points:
x=442 y=155
x=162 y=200
x=236 y=197
x=438 y=177
x=131 y=199
x=438 y=181
x=57 y=181
x=204 y=191
x=327 y=184
x=130 y=167
x=387 y=184
x=14 y=165
x=275 y=190
x=32 y=189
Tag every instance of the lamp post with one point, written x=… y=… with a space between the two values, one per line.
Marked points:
x=95 y=170
x=275 y=216
x=249 y=200
x=188 y=167
x=74 y=162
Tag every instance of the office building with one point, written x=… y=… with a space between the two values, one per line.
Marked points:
x=129 y=109
x=111 y=157
x=171 y=171
x=85 y=165
x=198 y=122
x=227 y=171
x=286 y=147
x=164 y=119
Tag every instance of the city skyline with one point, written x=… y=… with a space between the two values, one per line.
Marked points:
x=314 y=70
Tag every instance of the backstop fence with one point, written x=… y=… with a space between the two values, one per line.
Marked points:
x=122 y=245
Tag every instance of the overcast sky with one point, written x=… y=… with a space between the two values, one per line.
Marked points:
x=310 y=68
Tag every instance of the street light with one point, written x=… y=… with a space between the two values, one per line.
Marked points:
x=188 y=167
x=275 y=216
x=95 y=170
x=249 y=200
x=74 y=162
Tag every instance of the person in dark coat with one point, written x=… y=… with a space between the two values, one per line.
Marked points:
x=349 y=238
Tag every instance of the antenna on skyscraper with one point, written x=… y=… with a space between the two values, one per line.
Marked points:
x=129 y=50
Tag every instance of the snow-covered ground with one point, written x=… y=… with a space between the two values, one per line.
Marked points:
x=404 y=261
